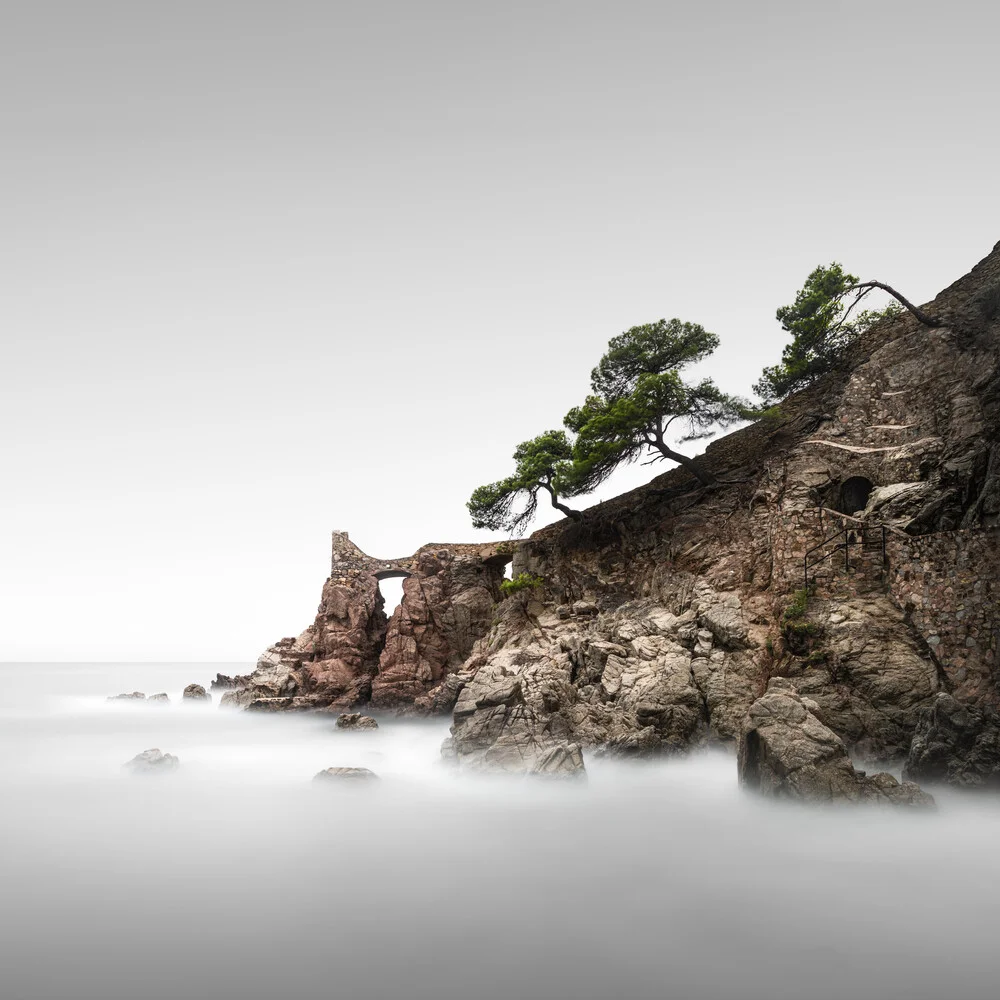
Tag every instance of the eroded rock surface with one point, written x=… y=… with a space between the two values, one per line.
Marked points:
x=195 y=692
x=956 y=744
x=786 y=752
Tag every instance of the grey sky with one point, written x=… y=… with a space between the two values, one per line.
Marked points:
x=273 y=269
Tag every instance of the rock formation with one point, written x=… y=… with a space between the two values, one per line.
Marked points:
x=786 y=752
x=353 y=655
x=852 y=550
x=195 y=692
x=355 y=720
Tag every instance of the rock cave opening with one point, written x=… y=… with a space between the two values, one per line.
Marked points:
x=854 y=494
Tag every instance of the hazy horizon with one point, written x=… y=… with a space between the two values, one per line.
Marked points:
x=279 y=270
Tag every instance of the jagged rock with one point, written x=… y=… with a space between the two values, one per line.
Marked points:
x=447 y=605
x=786 y=752
x=130 y=696
x=349 y=774
x=195 y=692
x=355 y=720
x=956 y=744
x=562 y=760
x=237 y=698
x=152 y=761
x=162 y=698
x=224 y=682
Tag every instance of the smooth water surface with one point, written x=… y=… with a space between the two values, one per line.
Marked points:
x=237 y=876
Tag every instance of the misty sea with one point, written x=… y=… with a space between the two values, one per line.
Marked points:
x=237 y=876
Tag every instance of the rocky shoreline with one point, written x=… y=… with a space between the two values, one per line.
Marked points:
x=844 y=580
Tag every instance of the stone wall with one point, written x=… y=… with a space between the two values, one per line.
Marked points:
x=948 y=584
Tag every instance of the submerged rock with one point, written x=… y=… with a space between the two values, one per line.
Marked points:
x=355 y=720
x=195 y=692
x=957 y=744
x=786 y=752
x=152 y=761
x=346 y=774
x=129 y=696
x=162 y=698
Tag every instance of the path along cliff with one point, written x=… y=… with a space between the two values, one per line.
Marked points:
x=854 y=554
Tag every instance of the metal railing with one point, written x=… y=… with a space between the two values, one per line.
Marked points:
x=866 y=538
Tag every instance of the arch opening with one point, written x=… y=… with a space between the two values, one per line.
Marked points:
x=854 y=494
x=390 y=586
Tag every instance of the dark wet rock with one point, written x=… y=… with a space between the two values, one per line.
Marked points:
x=349 y=774
x=152 y=761
x=786 y=752
x=956 y=744
x=355 y=720
x=129 y=696
x=195 y=692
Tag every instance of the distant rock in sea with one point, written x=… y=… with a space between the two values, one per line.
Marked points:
x=152 y=761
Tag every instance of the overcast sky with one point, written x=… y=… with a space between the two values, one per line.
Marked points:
x=272 y=269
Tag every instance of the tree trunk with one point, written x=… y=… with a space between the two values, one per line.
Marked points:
x=568 y=511
x=703 y=477
x=923 y=317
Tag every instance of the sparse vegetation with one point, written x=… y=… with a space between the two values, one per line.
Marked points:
x=521 y=582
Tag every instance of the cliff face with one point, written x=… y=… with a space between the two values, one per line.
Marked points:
x=664 y=613
x=689 y=595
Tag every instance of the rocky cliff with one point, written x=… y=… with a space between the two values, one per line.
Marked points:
x=853 y=551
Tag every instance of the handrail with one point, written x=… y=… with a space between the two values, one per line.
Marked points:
x=845 y=545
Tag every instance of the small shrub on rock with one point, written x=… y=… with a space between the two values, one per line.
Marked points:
x=523 y=581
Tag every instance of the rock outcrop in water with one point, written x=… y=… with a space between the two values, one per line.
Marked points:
x=664 y=613
x=786 y=752
x=153 y=761
x=354 y=655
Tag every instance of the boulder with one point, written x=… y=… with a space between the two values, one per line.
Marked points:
x=355 y=720
x=130 y=696
x=163 y=698
x=152 y=761
x=786 y=752
x=346 y=774
x=195 y=692
x=956 y=744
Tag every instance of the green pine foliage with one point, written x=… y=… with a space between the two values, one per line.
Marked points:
x=822 y=328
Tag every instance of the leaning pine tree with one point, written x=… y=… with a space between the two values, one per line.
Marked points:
x=542 y=465
x=638 y=395
x=823 y=324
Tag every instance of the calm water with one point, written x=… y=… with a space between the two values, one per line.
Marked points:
x=236 y=876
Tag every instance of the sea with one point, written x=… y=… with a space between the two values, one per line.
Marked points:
x=237 y=875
